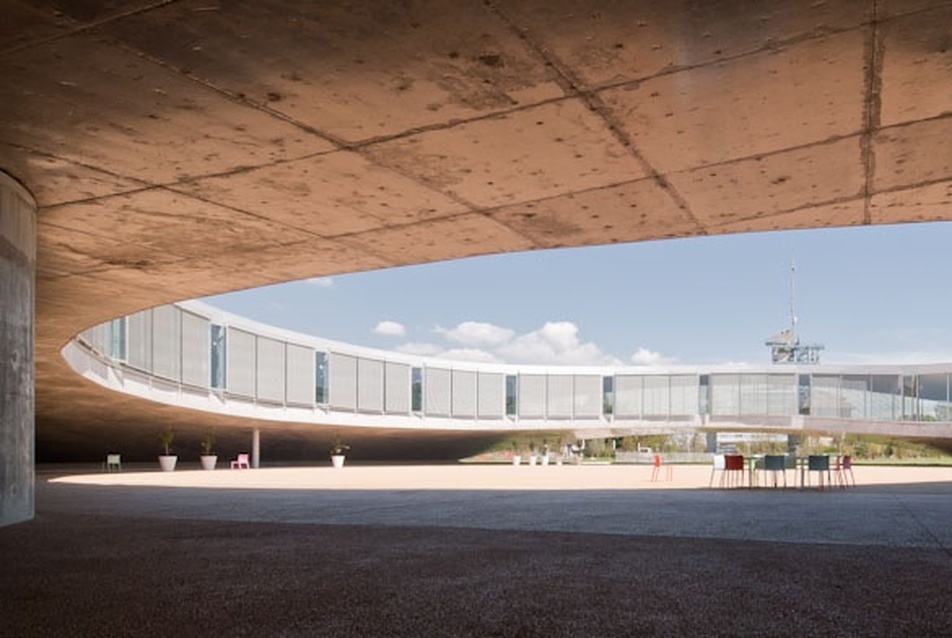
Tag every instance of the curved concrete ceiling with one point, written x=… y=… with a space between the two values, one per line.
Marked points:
x=183 y=148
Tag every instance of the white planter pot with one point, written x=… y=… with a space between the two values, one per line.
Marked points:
x=209 y=461
x=545 y=459
x=337 y=460
x=167 y=463
x=532 y=459
x=516 y=460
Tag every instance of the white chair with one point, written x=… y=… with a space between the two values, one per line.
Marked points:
x=113 y=462
x=719 y=465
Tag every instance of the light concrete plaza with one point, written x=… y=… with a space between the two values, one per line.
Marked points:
x=478 y=550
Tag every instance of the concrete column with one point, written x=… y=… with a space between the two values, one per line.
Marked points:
x=255 y=448
x=17 y=280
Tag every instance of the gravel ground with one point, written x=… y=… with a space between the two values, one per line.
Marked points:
x=131 y=560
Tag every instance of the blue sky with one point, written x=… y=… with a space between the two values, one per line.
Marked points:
x=871 y=295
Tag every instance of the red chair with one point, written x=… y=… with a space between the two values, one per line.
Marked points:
x=656 y=470
x=241 y=462
x=734 y=469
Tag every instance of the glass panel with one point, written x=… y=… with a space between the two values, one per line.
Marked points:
x=781 y=394
x=218 y=351
x=559 y=396
x=803 y=394
x=753 y=394
x=628 y=395
x=320 y=377
x=342 y=381
x=656 y=396
x=397 y=390
x=491 y=395
x=195 y=350
x=270 y=368
x=855 y=395
x=117 y=342
x=825 y=395
x=683 y=395
x=510 y=395
x=704 y=395
x=725 y=394
x=370 y=380
x=464 y=393
x=933 y=397
x=416 y=389
x=608 y=395
x=437 y=392
x=884 y=399
x=589 y=396
x=167 y=344
x=909 y=402
x=139 y=346
x=300 y=375
x=531 y=396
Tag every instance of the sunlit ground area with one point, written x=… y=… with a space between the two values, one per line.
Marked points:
x=490 y=477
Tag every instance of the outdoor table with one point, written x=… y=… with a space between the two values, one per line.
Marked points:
x=752 y=469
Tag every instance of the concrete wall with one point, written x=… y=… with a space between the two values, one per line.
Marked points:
x=17 y=278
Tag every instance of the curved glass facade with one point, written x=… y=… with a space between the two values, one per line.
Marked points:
x=195 y=355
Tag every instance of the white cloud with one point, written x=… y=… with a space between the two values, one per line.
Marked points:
x=320 y=282
x=469 y=354
x=390 y=329
x=645 y=357
x=555 y=343
x=475 y=333
x=422 y=349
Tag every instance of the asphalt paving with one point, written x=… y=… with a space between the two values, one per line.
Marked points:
x=458 y=550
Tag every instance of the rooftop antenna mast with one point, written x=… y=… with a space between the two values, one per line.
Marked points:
x=785 y=346
x=793 y=294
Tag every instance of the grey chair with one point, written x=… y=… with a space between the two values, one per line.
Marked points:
x=774 y=463
x=819 y=463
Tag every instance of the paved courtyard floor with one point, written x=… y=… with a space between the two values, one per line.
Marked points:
x=477 y=550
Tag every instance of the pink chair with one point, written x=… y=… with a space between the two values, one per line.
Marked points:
x=841 y=466
x=241 y=462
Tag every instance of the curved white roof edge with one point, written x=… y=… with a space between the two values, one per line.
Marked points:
x=116 y=375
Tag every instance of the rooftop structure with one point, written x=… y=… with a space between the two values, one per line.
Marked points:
x=155 y=152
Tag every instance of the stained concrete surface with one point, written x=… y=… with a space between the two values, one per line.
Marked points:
x=188 y=148
x=477 y=551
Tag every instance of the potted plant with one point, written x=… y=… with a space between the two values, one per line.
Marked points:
x=167 y=460
x=516 y=457
x=337 y=452
x=532 y=453
x=209 y=458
